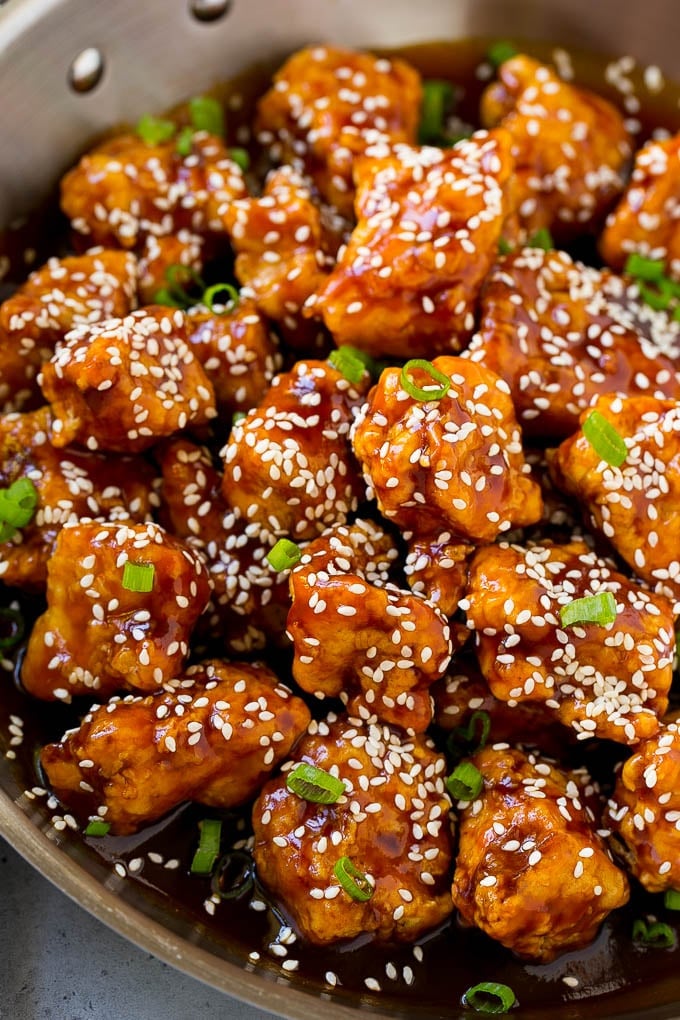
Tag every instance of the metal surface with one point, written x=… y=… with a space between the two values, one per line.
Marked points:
x=155 y=52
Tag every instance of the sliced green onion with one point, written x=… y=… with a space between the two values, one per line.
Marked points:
x=207 y=115
x=656 y=935
x=671 y=900
x=656 y=300
x=464 y=739
x=504 y=247
x=241 y=158
x=12 y=623
x=210 y=834
x=490 y=997
x=185 y=141
x=233 y=876
x=17 y=507
x=642 y=268
x=210 y=297
x=465 y=782
x=668 y=286
x=348 y=363
x=438 y=101
x=314 y=784
x=417 y=392
x=600 y=608
x=607 y=443
x=179 y=278
x=284 y=554
x=501 y=51
x=97 y=827
x=541 y=239
x=154 y=130
x=138 y=576
x=353 y=881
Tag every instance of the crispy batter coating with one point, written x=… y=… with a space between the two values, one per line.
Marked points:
x=96 y=634
x=158 y=254
x=249 y=601
x=60 y=295
x=123 y=190
x=644 y=810
x=561 y=333
x=635 y=506
x=288 y=465
x=570 y=146
x=463 y=691
x=286 y=245
x=647 y=219
x=126 y=383
x=453 y=464
x=213 y=735
x=608 y=680
x=360 y=638
x=429 y=222
x=391 y=823
x=437 y=568
x=239 y=354
x=71 y=484
x=532 y=872
x=328 y=105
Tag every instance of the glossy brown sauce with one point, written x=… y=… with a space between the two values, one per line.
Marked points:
x=612 y=974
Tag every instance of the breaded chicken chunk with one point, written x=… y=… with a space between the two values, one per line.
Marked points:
x=213 y=735
x=532 y=871
x=122 y=600
x=390 y=823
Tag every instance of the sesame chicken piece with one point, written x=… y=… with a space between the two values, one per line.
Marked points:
x=635 y=506
x=463 y=691
x=561 y=333
x=60 y=295
x=391 y=822
x=437 y=568
x=532 y=871
x=429 y=221
x=126 y=383
x=249 y=601
x=570 y=146
x=382 y=647
x=238 y=352
x=285 y=245
x=609 y=680
x=70 y=484
x=647 y=218
x=288 y=465
x=97 y=634
x=158 y=254
x=450 y=464
x=213 y=735
x=124 y=189
x=328 y=105
x=644 y=810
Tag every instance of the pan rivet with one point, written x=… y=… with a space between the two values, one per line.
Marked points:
x=209 y=10
x=86 y=70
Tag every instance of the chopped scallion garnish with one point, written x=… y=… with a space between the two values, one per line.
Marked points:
x=504 y=247
x=656 y=934
x=17 y=507
x=181 y=279
x=438 y=101
x=465 y=740
x=421 y=393
x=607 y=443
x=642 y=268
x=12 y=627
x=207 y=115
x=138 y=576
x=654 y=298
x=233 y=876
x=211 y=297
x=501 y=51
x=600 y=608
x=353 y=881
x=671 y=900
x=541 y=239
x=97 y=827
x=465 y=782
x=314 y=784
x=154 y=130
x=185 y=141
x=490 y=997
x=347 y=361
x=284 y=554
x=241 y=158
x=210 y=834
